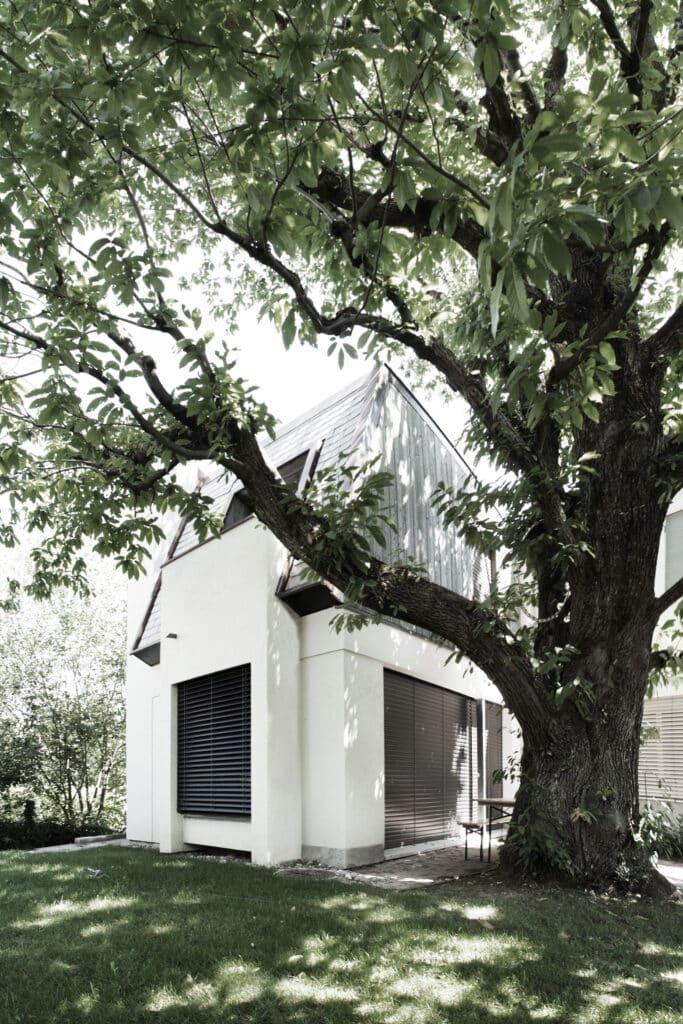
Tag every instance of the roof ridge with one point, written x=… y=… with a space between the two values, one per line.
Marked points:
x=325 y=403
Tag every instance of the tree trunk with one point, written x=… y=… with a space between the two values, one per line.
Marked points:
x=576 y=813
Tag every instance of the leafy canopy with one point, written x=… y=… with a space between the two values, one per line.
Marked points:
x=491 y=187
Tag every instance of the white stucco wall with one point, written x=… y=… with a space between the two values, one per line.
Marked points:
x=343 y=696
x=317 y=747
x=142 y=751
x=219 y=601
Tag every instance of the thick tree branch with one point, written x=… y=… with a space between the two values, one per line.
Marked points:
x=554 y=75
x=333 y=188
x=474 y=630
x=669 y=597
x=611 y=321
x=641 y=26
x=512 y=64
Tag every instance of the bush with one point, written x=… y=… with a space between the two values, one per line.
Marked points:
x=662 y=831
x=28 y=834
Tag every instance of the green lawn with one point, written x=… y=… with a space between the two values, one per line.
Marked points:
x=171 y=939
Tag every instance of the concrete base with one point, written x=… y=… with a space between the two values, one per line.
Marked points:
x=89 y=840
x=334 y=857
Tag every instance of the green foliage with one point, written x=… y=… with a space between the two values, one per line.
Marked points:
x=661 y=830
x=140 y=134
x=61 y=691
x=535 y=847
x=28 y=835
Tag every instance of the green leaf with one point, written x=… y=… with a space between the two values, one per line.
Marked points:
x=608 y=354
x=557 y=254
x=404 y=189
x=504 y=206
x=494 y=302
x=5 y=291
x=516 y=292
x=289 y=329
x=490 y=64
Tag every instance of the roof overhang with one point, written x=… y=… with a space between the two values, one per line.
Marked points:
x=151 y=655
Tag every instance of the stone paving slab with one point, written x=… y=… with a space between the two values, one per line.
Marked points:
x=417 y=871
x=73 y=847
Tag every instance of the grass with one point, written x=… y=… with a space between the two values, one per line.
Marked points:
x=173 y=939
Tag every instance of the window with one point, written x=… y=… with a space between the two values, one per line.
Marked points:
x=241 y=508
x=674 y=549
x=291 y=471
x=214 y=743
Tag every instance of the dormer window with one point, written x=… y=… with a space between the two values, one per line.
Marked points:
x=241 y=508
x=291 y=471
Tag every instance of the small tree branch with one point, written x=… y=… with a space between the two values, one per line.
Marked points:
x=166 y=440
x=512 y=64
x=629 y=66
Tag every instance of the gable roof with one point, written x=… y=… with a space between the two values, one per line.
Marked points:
x=377 y=414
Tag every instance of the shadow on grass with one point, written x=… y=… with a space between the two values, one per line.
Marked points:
x=178 y=940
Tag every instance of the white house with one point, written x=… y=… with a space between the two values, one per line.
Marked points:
x=255 y=726
x=661 y=756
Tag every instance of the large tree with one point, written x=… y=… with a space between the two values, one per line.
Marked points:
x=485 y=186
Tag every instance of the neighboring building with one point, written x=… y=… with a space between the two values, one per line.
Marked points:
x=253 y=725
x=661 y=756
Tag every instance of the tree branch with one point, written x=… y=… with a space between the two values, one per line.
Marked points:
x=609 y=323
x=333 y=188
x=668 y=339
x=554 y=74
x=629 y=67
x=512 y=64
x=665 y=600
x=477 y=632
x=167 y=441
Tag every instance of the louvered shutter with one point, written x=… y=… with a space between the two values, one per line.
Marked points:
x=494 y=748
x=399 y=756
x=430 y=745
x=214 y=743
x=661 y=755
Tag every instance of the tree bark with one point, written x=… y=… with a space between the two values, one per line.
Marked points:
x=576 y=814
x=577 y=811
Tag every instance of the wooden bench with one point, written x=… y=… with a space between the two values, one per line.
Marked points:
x=474 y=826
x=479 y=826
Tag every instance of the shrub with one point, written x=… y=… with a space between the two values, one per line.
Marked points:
x=30 y=834
x=661 y=830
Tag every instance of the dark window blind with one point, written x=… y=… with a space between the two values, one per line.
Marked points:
x=494 y=748
x=430 y=752
x=214 y=743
